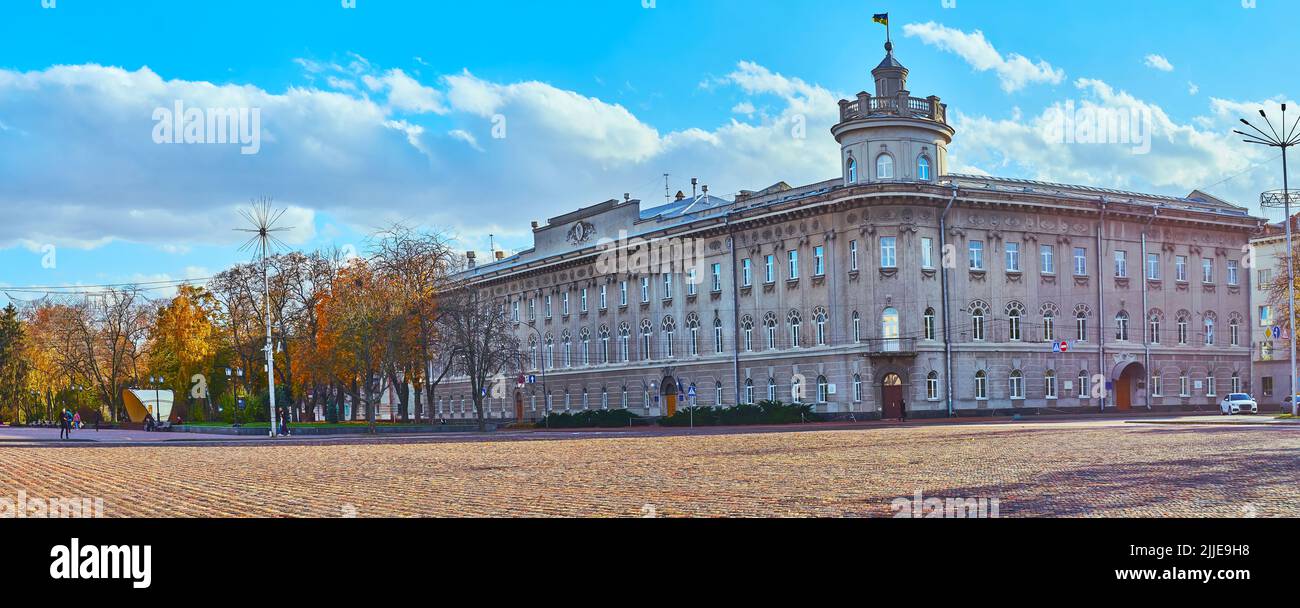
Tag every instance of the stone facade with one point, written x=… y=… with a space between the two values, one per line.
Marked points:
x=896 y=281
x=1271 y=366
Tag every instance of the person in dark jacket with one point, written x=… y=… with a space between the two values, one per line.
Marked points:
x=902 y=410
x=65 y=425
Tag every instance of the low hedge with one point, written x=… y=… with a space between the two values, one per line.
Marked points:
x=587 y=419
x=765 y=412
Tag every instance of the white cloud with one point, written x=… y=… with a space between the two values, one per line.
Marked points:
x=1193 y=88
x=405 y=93
x=1158 y=62
x=1184 y=156
x=746 y=108
x=1014 y=71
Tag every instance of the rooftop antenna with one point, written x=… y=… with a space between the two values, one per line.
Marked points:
x=261 y=218
x=668 y=195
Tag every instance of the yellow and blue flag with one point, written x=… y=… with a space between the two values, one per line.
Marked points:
x=881 y=18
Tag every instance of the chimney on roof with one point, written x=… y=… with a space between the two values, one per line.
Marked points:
x=534 y=224
x=694 y=181
x=705 y=188
x=627 y=197
x=680 y=195
x=501 y=255
x=469 y=258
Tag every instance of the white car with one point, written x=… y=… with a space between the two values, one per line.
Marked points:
x=1238 y=403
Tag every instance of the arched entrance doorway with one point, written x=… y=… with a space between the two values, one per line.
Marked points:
x=1127 y=378
x=669 y=391
x=891 y=396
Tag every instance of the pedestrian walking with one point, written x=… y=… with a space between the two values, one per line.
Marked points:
x=76 y=420
x=902 y=410
x=65 y=425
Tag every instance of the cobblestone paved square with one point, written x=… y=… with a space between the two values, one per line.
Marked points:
x=1074 y=469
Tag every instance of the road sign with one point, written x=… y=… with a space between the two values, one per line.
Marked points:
x=532 y=379
x=691 y=391
x=240 y=402
x=1277 y=331
x=1061 y=347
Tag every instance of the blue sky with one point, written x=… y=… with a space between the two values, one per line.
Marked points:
x=385 y=112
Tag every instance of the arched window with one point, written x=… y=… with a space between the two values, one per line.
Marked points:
x=819 y=317
x=1015 y=311
x=857 y=327
x=532 y=352
x=884 y=166
x=1049 y=312
x=693 y=327
x=1182 y=329
x=625 y=342
x=1234 y=331
x=1209 y=330
x=977 y=324
x=550 y=352
x=670 y=330
x=1083 y=384
x=1049 y=384
x=1016 y=384
x=769 y=324
x=851 y=170
x=932 y=386
x=717 y=335
x=1081 y=326
x=771 y=389
x=1121 y=326
x=604 y=344
x=749 y=390
x=823 y=390
x=793 y=318
x=981 y=385
x=647 y=330
x=1153 y=327
x=747 y=327
x=796 y=390
x=928 y=324
x=889 y=330
x=923 y=168
x=1236 y=382
x=857 y=387
x=585 y=336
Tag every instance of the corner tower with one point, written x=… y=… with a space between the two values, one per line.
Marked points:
x=892 y=136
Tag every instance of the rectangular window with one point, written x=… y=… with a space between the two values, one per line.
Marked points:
x=976 y=254
x=582 y=300
x=622 y=293
x=853 y=256
x=1049 y=386
x=1266 y=386
x=819 y=261
x=515 y=311
x=1156 y=389
x=564 y=304
x=1047 y=259
x=793 y=257
x=645 y=289
x=604 y=296
x=717 y=277
x=770 y=269
x=691 y=280
x=746 y=272
x=1180 y=268
x=1265 y=278
x=1207 y=270
x=1013 y=257
x=1153 y=266
x=1232 y=272
x=888 y=252
x=1080 y=262
x=547 y=308
x=1265 y=315
x=668 y=286
x=1121 y=264
x=927 y=252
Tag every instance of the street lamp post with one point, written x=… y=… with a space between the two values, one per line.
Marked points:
x=1287 y=138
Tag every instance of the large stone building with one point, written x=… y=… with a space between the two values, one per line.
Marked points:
x=1271 y=366
x=895 y=281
